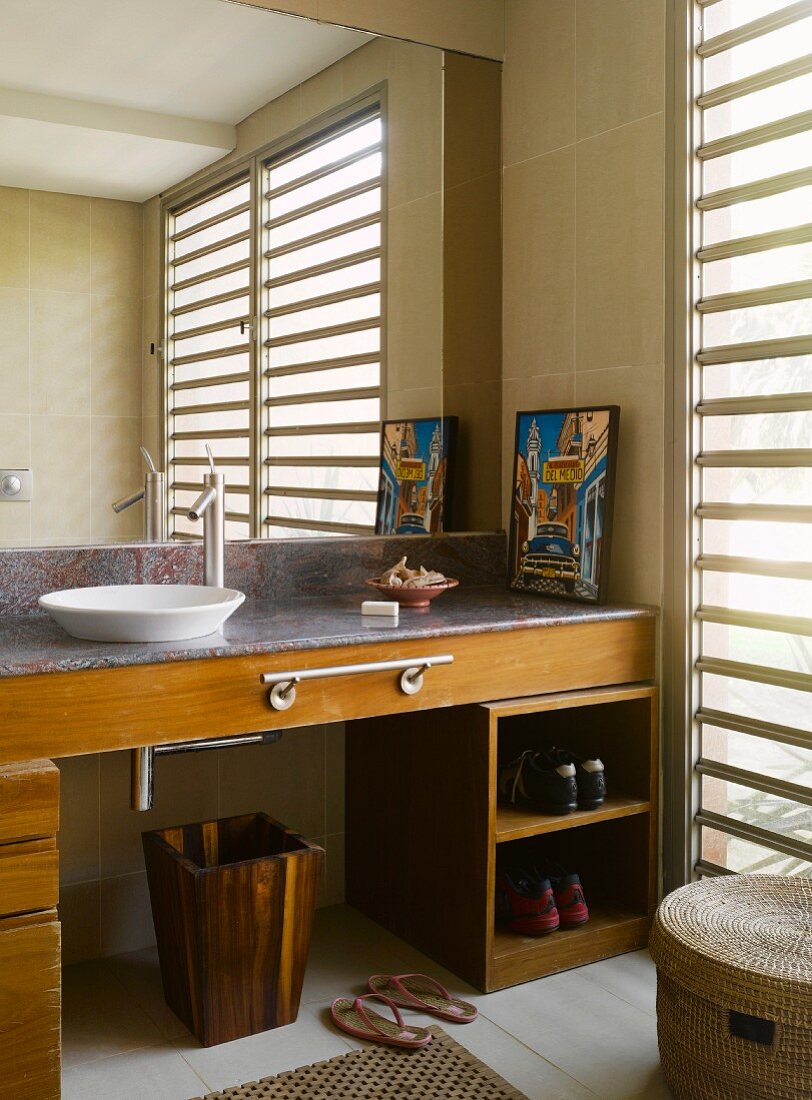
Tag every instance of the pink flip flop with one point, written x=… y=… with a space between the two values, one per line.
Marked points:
x=421 y=992
x=357 y=1019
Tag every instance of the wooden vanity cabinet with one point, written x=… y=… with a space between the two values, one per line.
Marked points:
x=30 y=984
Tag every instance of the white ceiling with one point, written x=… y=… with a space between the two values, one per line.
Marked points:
x=120 y=100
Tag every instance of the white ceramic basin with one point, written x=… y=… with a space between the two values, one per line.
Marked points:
x=142 y=612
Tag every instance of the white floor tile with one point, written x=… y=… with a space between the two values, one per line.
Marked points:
x=591 y=1034
x=99 y=1020
x=309 y=1040
x=140 y=974
x=631 y=977
x=155 y=1073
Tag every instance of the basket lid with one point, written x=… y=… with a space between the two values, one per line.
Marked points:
x=742 y=941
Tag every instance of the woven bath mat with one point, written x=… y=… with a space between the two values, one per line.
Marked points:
x=441 y=1071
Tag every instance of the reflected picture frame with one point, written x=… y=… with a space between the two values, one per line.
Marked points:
x=562 y=502
x=416 y=475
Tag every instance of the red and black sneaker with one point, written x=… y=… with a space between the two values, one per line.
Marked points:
x=525 y=903
x=569 y=896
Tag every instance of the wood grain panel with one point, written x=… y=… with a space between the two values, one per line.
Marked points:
x=30 y=992
x=29 y=800
x=64 y=714
x=29 y=876
x=233 y=903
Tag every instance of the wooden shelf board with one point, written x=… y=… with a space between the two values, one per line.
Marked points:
x=513 y=823
x=609 y=931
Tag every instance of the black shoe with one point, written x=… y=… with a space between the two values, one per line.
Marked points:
x=590 y=776
x=531 y=779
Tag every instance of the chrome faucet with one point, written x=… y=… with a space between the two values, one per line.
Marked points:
x=211 y=506
x=154 y=497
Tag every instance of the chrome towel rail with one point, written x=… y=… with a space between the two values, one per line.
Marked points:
x=282 y=695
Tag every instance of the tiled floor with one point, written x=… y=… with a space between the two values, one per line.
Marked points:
x=575 y=1036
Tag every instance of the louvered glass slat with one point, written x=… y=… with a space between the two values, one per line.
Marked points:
x=209 y=354
x=754 y=572
x=321 y=341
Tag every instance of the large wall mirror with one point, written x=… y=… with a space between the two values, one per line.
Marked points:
x=224 y=225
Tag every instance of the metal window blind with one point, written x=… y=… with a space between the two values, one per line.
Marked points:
x=209 y=355
x=321 y=331
x=753 y=477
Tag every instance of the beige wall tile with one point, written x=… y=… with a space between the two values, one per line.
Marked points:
x=15 y=519
x=251 y=133
x=472 y=130
x=472 y=281
x=126 y=915
x=79 y=912
x=322 y=92
x=78 y=838
x=60 y=457
x=620 y=247
x=478 y=479
x=60 y=352
x=635 y=571
x=284 y=114
x=415 y=120
x=539 y=79
x=115 y=359
x=14 y=350
x=151 y=372
x=285 y=780
x=60 y=242
x=620 y=62
x=150 y=437
x=401 y=404
x=548 y=391
x=116 y=247
x=539 y=266
x=185 y=790
x=151 y=246
x=14 y=235
x=116 y=470
x=414 y=294
x=364 y=68
x=334 y=740
x=476 y=28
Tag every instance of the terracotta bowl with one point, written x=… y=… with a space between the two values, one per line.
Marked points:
x=413 y=597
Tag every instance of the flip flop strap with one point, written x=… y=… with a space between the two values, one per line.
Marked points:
x=398 y=983
x=358 y=1005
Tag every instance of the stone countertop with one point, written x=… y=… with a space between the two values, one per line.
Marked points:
x=33 y=643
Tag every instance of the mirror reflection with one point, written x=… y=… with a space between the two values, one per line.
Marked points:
x=229 y=227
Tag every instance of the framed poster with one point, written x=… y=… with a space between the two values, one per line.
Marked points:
x=562 y=497
x=416 y=476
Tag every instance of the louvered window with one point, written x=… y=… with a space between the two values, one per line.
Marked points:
x=209 y=352
x=322 y=331
x=753 y=480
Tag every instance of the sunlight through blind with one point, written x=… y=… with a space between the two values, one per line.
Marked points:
x=209 y=354
x=754 y=203
x=321 y=331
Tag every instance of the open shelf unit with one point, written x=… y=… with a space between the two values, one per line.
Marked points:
x=426 y=834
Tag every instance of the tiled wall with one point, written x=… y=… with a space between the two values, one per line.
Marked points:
x=104 y=900
x=583 y=312
x=70 y=379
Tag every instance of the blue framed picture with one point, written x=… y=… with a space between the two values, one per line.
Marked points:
x=416 y=476
x=562 y=499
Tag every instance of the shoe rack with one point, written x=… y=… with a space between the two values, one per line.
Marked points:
x=426 y=835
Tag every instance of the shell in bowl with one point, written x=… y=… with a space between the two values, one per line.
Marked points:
x=413 y=597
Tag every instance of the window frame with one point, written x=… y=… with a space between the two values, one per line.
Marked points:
x=208 y=182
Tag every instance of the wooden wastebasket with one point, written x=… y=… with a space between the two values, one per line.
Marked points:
x=233 y=903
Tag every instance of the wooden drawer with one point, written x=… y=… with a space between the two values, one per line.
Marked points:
x=29 y=800
x=30 y=994
x=62 y=714
x=29 y=876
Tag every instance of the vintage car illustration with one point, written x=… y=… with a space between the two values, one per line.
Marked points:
x=551 y=555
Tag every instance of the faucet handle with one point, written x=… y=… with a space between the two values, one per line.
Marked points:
x=211 y=459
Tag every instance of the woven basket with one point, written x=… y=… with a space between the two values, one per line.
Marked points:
x=734 y=988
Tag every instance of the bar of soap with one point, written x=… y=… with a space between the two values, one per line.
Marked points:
x=388 y=608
